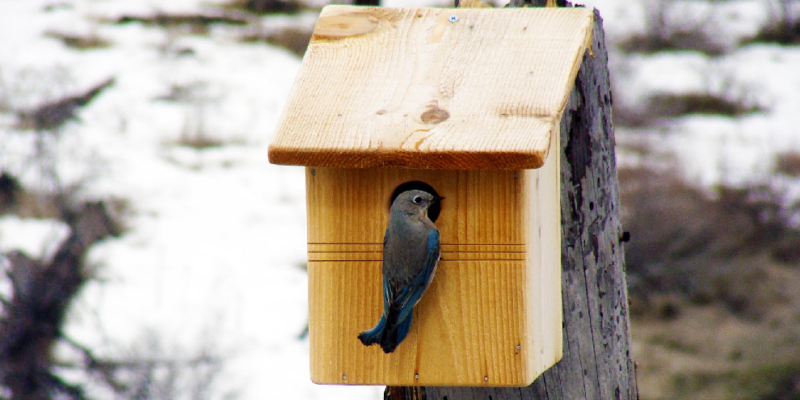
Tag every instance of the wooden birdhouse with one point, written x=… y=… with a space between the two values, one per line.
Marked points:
x=462 y=102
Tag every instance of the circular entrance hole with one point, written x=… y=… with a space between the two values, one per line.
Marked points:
x=434 y=210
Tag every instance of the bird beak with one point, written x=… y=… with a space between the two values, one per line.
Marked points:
x=437 y=199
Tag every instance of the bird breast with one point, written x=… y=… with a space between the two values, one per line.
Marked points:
x=406 y=250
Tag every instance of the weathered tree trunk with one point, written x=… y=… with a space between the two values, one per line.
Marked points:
x=597 y=362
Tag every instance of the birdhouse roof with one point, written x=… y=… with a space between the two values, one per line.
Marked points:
x=432 y=87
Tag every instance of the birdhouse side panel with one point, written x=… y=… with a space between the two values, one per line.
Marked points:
x=544 y=303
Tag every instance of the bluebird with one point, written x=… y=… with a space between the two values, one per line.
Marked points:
x=410 y=253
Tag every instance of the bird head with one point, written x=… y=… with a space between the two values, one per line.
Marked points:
x=415 y=202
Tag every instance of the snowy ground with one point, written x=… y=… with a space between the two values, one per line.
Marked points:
x=216 y=237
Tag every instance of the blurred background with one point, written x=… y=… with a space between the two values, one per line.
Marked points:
x=150 y=251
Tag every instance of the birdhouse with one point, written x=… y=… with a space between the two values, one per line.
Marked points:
x=463 y=103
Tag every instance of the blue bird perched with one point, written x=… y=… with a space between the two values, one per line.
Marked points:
x=410 y=253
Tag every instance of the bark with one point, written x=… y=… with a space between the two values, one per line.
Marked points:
x=597 y=363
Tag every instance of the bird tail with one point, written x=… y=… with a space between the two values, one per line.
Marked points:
x=388 y=336
x=374 y=335
x=394 y=336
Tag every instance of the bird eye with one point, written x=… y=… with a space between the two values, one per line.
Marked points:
x=417 y=199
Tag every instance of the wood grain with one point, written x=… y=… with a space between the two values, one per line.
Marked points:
x=431 y=88
x=492 y=316
x=458 y=336
x=481 y=207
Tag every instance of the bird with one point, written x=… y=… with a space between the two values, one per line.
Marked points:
x=410 y=253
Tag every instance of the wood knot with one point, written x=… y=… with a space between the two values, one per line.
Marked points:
x=434 y=115
x=345 y=25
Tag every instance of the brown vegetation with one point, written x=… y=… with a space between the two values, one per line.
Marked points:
x=673 y=105
x=266 y=6
x=669 y=28
x=677 y=40
x=79 y=42
x=294 y=39
x=714 y=288
x=788 y=163
x=196 y=23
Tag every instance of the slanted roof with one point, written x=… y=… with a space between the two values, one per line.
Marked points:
x=432 y=87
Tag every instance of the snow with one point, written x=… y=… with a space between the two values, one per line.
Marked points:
x=37 y=238
x=215 y=239
x=709 y=150
x=716 y=150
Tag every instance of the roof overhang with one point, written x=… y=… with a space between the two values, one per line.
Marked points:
x=432 y=87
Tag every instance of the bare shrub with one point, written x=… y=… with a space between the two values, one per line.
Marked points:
x=677 y=40
x=785 y=384
x=673 y=105
x=670 y=30
x=722 y=96
x=266 y=6
x=9 y=191
x=157 y=368
x=788 y=163
x=782 y=33
x=629 y=117
x=294 y=39
x=79 y=42
x=703 y=248
x=195 y=133
x=51 y=115
x=197 y=98
x=783 y=26
x=197 y=23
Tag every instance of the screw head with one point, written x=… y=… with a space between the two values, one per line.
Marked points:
x=453 y=18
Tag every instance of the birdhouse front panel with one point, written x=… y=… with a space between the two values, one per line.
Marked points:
x=492 y=315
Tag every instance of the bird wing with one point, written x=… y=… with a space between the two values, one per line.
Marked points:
x=387 y=287
x=405 y=300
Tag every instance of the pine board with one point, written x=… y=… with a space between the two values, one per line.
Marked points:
x=432 y=88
